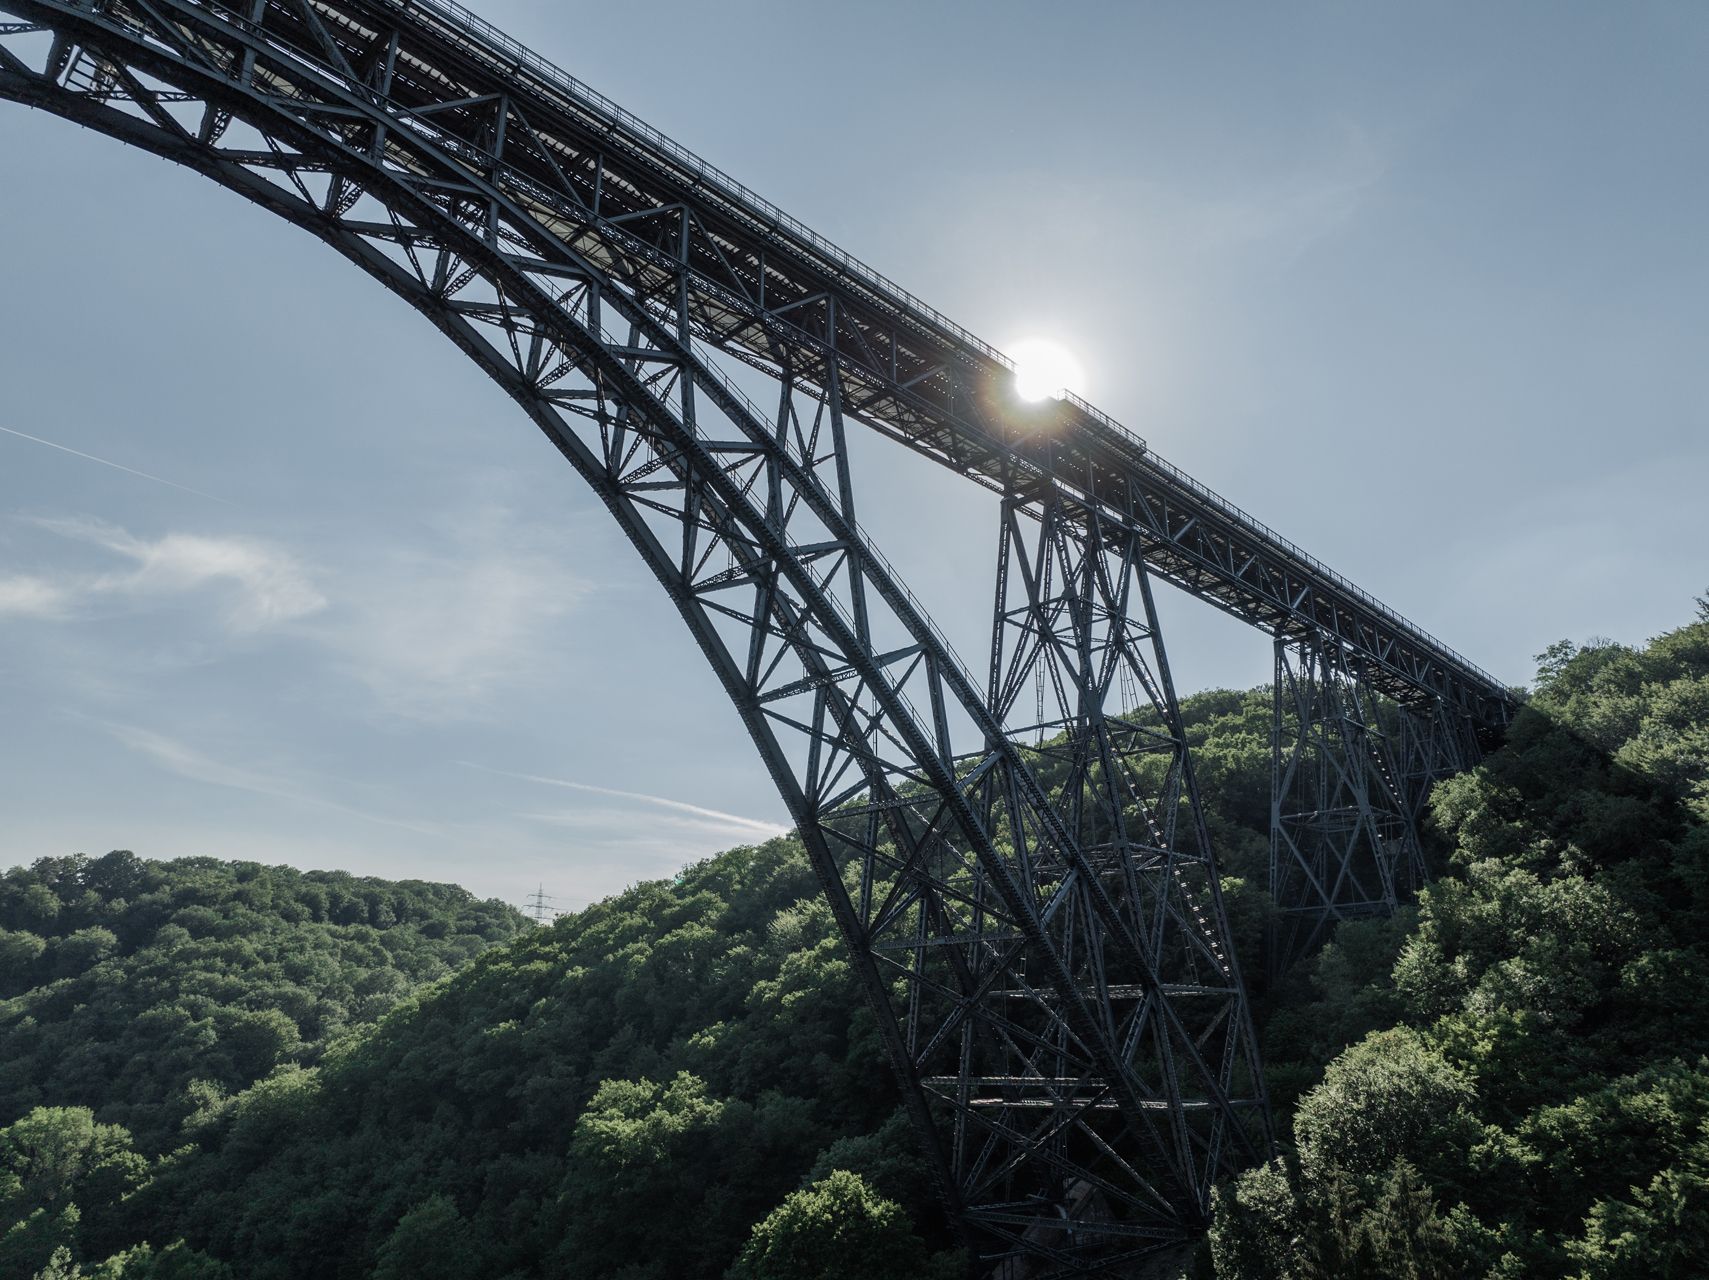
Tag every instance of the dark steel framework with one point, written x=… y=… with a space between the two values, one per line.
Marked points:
x=1019 y=866
x=1351 y=774
x=1343 y=825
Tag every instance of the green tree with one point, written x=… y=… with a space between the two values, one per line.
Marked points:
x=175 y=1262
x=1553 y=661
x=57 y=1156
x=836 y=1229
x=61 y=1266
x=19 y=951
x=1263 y=1228
x=1403 y=1235
x=1656 y=1232
x=39 y=1241
x=82 y=950
x=1388 y=1097
x=431 y=1242
x=644 y=1154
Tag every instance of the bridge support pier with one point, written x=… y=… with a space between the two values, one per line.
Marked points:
x=1080 y=683
x=1343 y=813
x=1434 y=743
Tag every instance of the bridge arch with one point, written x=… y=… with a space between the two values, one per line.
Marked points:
x=1032 y=1000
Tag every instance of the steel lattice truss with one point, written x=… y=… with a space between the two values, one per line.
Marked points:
x=1078 y=671
x=1434 y=743
x=1344 y=814
x=1017 y=863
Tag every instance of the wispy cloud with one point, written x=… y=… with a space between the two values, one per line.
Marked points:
x=116 y=466
x=434 y=631
x=30 y=597
x=185 y=761
x=266 y=585
x=433 y=628
x=752 y=826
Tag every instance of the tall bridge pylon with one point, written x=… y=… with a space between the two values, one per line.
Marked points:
x=1017 y=859
x=1343 y=828
x=1351 y=776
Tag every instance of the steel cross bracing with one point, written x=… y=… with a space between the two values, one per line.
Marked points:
x=1345 y=810
x=1079 y=672
x=1435 y=743
x=999 y=953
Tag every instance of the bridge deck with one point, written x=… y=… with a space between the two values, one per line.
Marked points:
x=768 y=289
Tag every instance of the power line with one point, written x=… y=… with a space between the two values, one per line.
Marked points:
x=536 y=908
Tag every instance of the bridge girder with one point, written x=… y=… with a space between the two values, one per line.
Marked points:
x=673 y=227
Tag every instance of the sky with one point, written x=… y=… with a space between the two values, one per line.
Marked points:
x=283 y=578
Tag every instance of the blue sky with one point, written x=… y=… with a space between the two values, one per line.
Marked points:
x=1424 y=288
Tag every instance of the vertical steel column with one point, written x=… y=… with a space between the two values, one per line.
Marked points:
x=1343 y=818
x=1080 y=680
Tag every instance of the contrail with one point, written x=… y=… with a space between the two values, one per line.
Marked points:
x=176 y=757
x=753 y=824
x=116 y=466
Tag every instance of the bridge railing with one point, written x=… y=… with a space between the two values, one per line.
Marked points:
x=750 y=202
x=886 y=291
x=1299 y=553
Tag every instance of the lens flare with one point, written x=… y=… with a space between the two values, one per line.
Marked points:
x=1044 y=369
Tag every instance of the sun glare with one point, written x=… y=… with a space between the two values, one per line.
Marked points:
x=1043 y=369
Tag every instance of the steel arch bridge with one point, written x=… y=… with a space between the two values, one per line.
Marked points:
x=1015 y=856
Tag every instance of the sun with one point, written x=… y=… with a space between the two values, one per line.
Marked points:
x=1044 y=369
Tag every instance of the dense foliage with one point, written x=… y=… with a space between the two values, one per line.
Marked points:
x=1532 y=1098
x=631 y=1091
x=681 y=1081
x=836 y=1227
x=136 y=997
x=626 y=1093
x=150 y=990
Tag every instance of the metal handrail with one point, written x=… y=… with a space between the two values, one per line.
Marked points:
x=773 y=219
x=750 y=201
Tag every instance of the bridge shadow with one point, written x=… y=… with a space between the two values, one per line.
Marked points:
x=1603 y=774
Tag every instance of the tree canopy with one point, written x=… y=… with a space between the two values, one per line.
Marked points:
x=149 y=991
x=1530 y=1096
x=214 y=1069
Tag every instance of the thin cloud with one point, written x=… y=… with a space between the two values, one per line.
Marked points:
x=116 y=466
x=433 y=632
x=185 y=761
x=618 y=824
x=755 y=825
x=30 y=597
x=432 y=636
x=270 y=585
x=437 y=629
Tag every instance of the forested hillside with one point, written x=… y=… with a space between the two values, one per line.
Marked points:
x=681 y=1081
x=626 y=1093
x=1533 y=1096
x=136 y=997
